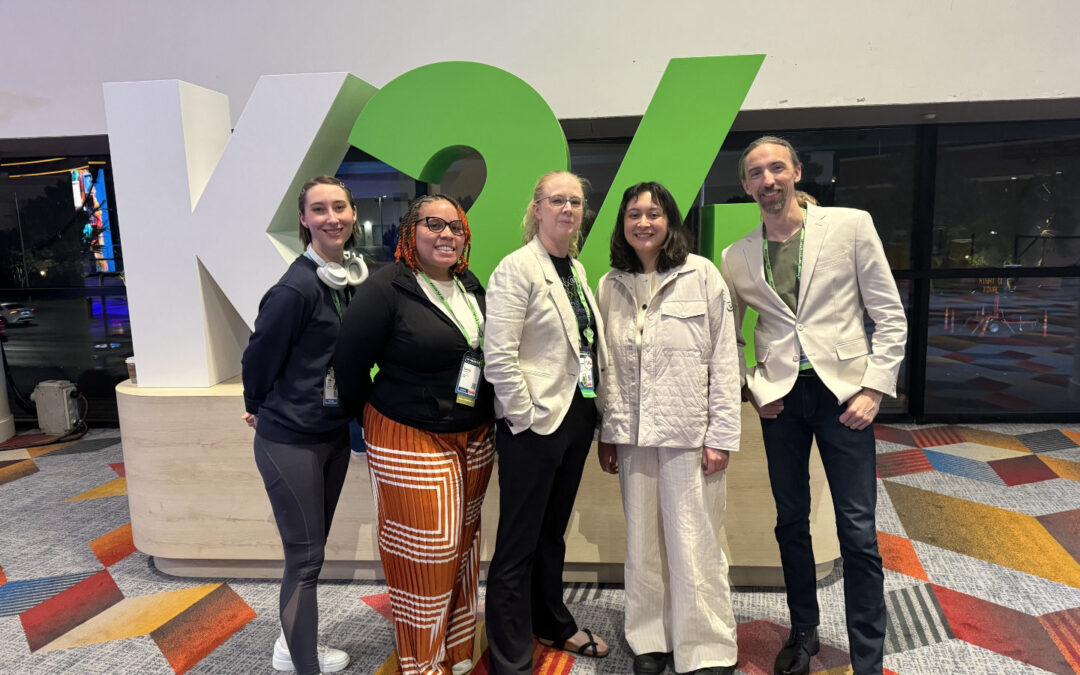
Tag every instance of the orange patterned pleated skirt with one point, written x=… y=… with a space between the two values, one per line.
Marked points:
x=428 y=489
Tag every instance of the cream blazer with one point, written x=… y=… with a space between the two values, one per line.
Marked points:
x=531 y=340
x=845 y=277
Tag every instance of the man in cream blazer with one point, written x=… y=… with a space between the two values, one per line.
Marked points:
x=813 y=276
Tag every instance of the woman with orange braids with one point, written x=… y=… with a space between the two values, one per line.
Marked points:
x=427 y=420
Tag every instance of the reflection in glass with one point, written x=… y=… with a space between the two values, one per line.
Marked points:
x=56 y=225
x=60 y=253
x=1006 y=196
x=1002 y=344
x=868 y=169
x=83 y=340
x=382 y=193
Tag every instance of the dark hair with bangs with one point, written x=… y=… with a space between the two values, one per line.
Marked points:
x=676 y=246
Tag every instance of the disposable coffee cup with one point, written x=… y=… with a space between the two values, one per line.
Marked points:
x=130 y=361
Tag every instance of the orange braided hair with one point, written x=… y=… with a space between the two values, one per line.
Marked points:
x=406 y=246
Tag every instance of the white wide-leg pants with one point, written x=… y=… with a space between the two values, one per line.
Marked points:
x=677 y=594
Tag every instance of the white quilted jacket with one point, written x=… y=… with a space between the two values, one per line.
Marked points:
x=686 y=391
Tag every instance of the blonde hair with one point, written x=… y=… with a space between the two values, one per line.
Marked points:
x=530 y=224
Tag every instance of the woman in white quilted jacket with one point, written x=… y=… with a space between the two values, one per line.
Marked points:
x=670 y=419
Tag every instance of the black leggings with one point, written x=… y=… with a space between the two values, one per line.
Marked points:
x=303 y=483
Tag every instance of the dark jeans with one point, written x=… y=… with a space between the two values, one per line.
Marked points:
x=538 y=483
x=303 y=483
x=810 y=411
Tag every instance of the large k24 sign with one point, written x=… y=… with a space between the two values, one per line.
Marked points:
x=210 y=215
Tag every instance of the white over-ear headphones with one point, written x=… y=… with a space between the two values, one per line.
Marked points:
x=352 y=272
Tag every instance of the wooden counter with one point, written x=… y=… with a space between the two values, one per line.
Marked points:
x=198 y=504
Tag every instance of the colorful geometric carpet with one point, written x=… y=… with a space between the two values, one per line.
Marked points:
x=979 y=530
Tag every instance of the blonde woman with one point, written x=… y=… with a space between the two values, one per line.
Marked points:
x=545 y=356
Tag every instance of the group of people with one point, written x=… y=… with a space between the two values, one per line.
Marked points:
x=532 y=370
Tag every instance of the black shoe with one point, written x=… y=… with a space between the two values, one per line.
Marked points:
x=652 y=663
x=713 y=670
x=794 y=658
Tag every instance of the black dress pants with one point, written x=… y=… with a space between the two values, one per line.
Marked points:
x=538 y=482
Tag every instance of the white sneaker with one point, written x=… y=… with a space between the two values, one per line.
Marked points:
x=330 y=660
x=462 y=667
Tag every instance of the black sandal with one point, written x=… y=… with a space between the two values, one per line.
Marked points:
x=580 y=649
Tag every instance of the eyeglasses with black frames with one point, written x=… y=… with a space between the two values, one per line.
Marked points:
x=437 y=225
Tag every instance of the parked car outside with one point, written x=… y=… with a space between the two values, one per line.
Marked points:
x=17 y=313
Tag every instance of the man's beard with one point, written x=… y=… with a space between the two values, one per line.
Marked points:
x=773 y=207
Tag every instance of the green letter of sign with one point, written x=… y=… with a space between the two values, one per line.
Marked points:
x=678 y=139
x=424 y=120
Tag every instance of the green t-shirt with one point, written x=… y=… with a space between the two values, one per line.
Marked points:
x=784 y=258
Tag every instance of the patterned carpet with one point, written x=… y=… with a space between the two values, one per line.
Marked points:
x=1010 y=352
x=979 y=528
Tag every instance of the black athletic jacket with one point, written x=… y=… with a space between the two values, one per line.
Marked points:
x=418 y=349
x=287 y=357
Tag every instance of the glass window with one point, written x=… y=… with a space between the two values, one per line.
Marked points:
x=382 y=194
x=1004 y=345
x=869 y=169
x=61 y=279
x=56 y=225
x=598 y=162
x=1006 y=195
x=84 y=340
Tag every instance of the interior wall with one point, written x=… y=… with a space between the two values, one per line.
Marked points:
x=586 y=59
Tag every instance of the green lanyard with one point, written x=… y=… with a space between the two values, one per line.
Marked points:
x=450 y=311
x=590 y=336
x=768 y=263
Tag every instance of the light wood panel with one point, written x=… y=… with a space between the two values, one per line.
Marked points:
x=199 y=507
